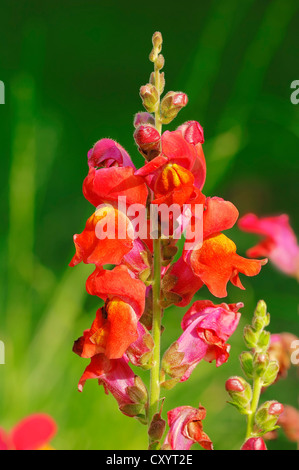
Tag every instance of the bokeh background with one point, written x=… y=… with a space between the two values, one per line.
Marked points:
x=72 y=72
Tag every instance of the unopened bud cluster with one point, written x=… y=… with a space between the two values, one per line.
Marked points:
x=150 y=93
x=258 y=367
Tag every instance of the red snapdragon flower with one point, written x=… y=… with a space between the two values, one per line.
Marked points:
x=279 y=242
x=185 y=429
x=115 y=326
x=96 y=246
x=117 y=282
x=170 y=175
x=106 y=185
x=217 y=262
x=31 y=433
x=213 y=261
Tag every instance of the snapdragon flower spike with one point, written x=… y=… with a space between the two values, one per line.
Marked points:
x=254 y=443
x=206 y=328
x=106 y=153
x=185 y=429
x=117 y=378
x=279 y=242
x=32 y=433
x=97 y=245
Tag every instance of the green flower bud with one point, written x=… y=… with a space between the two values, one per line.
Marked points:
x=157 y=40
x=250 y=337
x=261 y=309
x=240 y=392
x=150 y=97
x=267 y=415
x=264 y=340
x=260 y=364
x=270 y=373
x=246 y=360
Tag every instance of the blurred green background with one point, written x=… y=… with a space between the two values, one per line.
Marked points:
x=72 y=72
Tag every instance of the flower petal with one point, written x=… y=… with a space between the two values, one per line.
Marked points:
x=33 y=432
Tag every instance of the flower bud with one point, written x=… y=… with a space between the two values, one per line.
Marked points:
x=171 y=104
x=254 y=443
x=192 y=132
x=143 y=118
x=261 y=318
x=138 y=392
x=240 y=392
x=160 y=62
x=156 y=428
x=157 y=40
x=246 y=360
x=264 y=340
x=250 y=337
x=157 y=46
x=271 y=373
x=148 y=140
x=267 y=415
x=150 y=97
x=260 y=364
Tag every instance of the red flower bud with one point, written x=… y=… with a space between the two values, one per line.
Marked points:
x=275 y=409
x=147 y=138
x=254 y=443
x=192 y=132
x=234 y=384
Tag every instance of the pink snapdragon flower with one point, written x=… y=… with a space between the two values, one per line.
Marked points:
x=279 y=243
x=185 y=429
x=206 y=328
x=106 y=153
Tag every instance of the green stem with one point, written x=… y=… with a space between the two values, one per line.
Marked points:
x=257 y=387
x=156 y=334
x=154 y=392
